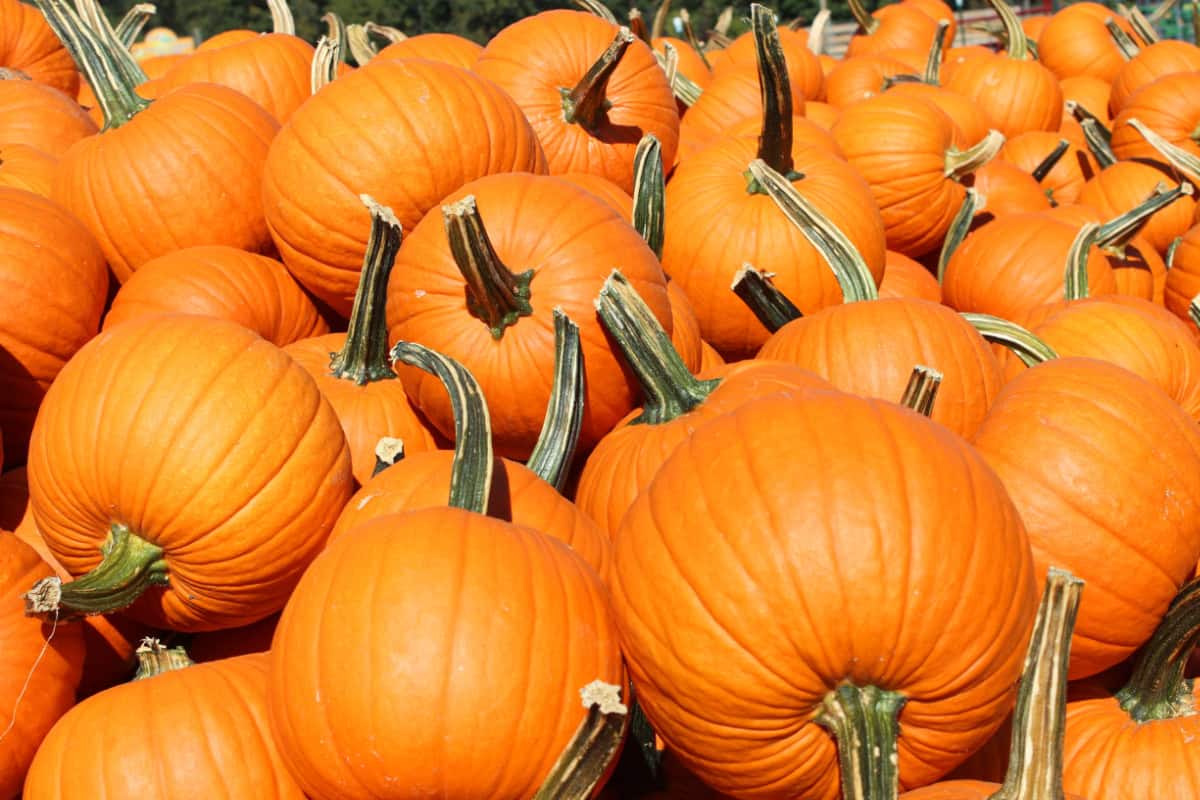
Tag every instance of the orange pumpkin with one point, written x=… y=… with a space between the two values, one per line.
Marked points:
x=1126 y=184
x=730 y=100
x=893 y=26
x=444 y=47
x=1066 y=178
x=29 y=46
x=859 y=78
x=1076 y=42
x=1183 y=278
x=41 y=116
x=804 y=69
x=1155 y=61
x=1168 y=107
x=25 y=167
x=903 y=277
x=1008 y=189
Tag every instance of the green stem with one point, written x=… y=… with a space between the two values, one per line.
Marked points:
x=865 y=723
x=597 y=741
x=1035 y=764
x=1178 y=157
x=1097 y=136
x=1142 y=26
x=1024 y=344
x=922 y=389
x=660 y=19
x=684 y=88
x=1125 y=43
x=361 y=48
x=649 y=185
x=1016 y=44
x=771 y=306
x=933 y=64
x=471 y=471
x=324 y=64
x=363 y=358
x=155 y=658
x=130 y=28
x=586 y=104
x=129 y=566
x=1158 y=690
x=960 y=163
x=1075 y=278
x=389 y=451
x=775 y=88
x=866 y=22
x=960 y=226
x=281 y=17
x=1118 y=231
x=495 y=295
x=555 y=448
x=847 y=263
x=1049 y=162
x=336 y=32
x=670 y=388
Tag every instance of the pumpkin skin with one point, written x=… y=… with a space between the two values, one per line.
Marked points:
x=419 y=151
x=1152 y=62
x=221 y=282
x=804 y=68
x=1094 y=94
x=247 y=487
x=857 y=79
x=54 y=286
x=1168 y=107
x=1183 y=278
x=200 y=749
x=805 y=133
x=903 y=277
x=1065 y=180
x=25 y=167
x=1126 y=184
x=570 y=239
x=731 y=99
x=725 y=607
x=901 y=25
x=1075 y=42
x=1088 y=451
x=444 y=47
x=965 y=113
x=536 y=56
x=520 y=621
x=1015 y=96
x=41 y=116
x=1007 y=189
x=183 y=203
x=28 y=45
x=51 y=689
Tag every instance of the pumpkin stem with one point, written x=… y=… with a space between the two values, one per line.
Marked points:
x=1161 y=10
x=960 y=163
x=933 y=64
x=1125 y=43
x=155 y=658
x=7 y=74
x=649 y=185
x=1016 y=43
x=129 y=29
x=389 y=451
x=670 y=389
x=555 y=448
x=596 y=742
x=775 y=88
x=1035 y=763
x=637 y=25
x=865 y=723
x=324 y=64
x=922 y=389
x=494 y=294
x=867 y=23
x=113 y=82
x=1075 y=278
x=586 y=105
x=129 y=566
x=281 y=17
x=1049 y=162
x=660 y=19
x=336 y=33
x=471 y=470
x=1024 y=344
x=597 y=8
x=689 y=35
x=1142 y=26
x=1158 y=690
x=1179 y=158
x=960 y=226
x=771 y=306
x=1095 y=133
x=361 y=48
x=684 y=88
x=364 y=357
x=96 y=21
x=1116 y=233
x=1172 y=248
x=816 y=31
x=852 y=272
x=386 y=32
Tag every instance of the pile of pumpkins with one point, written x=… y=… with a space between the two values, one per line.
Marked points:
x=595 y=413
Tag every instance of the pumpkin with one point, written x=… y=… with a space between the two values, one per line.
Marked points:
x=41 y=116
x=1166 y=106
x=618 y=93
x=1125 y=185
x=1007 y=189
x=230 y=508
x=754 y=568
x=213 y=748
x=29 y=46
x=42 y=666
x=55 y=284
x=730 y=100
x=405 y=152
x=444 y=47
x=1076 y=42
x=221 y=282
x=1088 y=451
x=804 y=69
x=892 y=26
x=1092 y=93
x=1151 y=63
x=1183 y=278
x=965 y=113
x=859 y=78
x=232 y=642
x=1064 y=182
x=903 y=277
x=25 y=167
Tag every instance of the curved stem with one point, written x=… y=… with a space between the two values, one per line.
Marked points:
x=494 y=294
x=771 y=306
x=364 y=357
x=386 y=32
x=960 y=163
x=865 y=723
x=1158 y=690
x=637 y=25
x=1117 y=232
x=598 y=9
x=389 y=451
x=1050 y=161
x=1161 y=11
x=586 y=104
x=660 y=19
x=1125 y=43
x=324 y=64
x=471 y=471
x=933 y=64
x=1016 y=44
x=1035 y=764
x=649 y=185
x=130 y=28
x=281 y=17
x=1095 y=133
x=1178 y=157
x=847 y=263
x=1172 y=248
x=689 y=35
x=96 y=20
x=775 y=88
x=684 y=88
x=922 y=389
x=130 y=565
x=597 y=741
x=155 y=658
x=1024 y=344
x=960 y=226
x=336 y=32
x=1075 y=279
x=1142 y=26
x=555 y=448
x=866 y=22
x=817 y=31
x=670 y=389
x=359 y=44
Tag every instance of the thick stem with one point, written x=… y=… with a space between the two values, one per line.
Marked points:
x=960 y=226
x=281 y=17
x=1118 y=231
x=921 y=391
x=598 y=9
x=1050 y=161
x=595 y=744
x=649 y=186
x=1075 y=277
x=684 y=88
x=112 y=84
x=335 y=30
x=364 y=357
x=771 y=306
x=866 y=22
x=1125 y=43
x=933 y=64
x=471 y=470
x=960 y=163
x=1178 y=157
x=637 y=25
x=852 y=273
x=775 y=88
x=359 y=43
x=130 y=28
x=1158 y=690
x=1016 y=45
x=1142 y=26
x=669 y=387
x=1035 y=764
x=586 y=104
x=389 y=452
x=97 y=21
x=660 y=19
x=324 y=64
x=865 y=723
x=1097 y=136
x=494 y=294
x=155 y=658
x=130 y=565
x=1024 y=344
x=817 y=31
x=555 y=448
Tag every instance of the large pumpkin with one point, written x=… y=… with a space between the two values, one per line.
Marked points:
x=29 y=46
x=444 y=47
x=41 y=116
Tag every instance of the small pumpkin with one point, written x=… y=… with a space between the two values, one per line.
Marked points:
x=903 y=277
x=30 y=47
x=1064 y=181
x=1152 y=62
x=38 y=115
x=1076 y=41
x=1166 y=106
